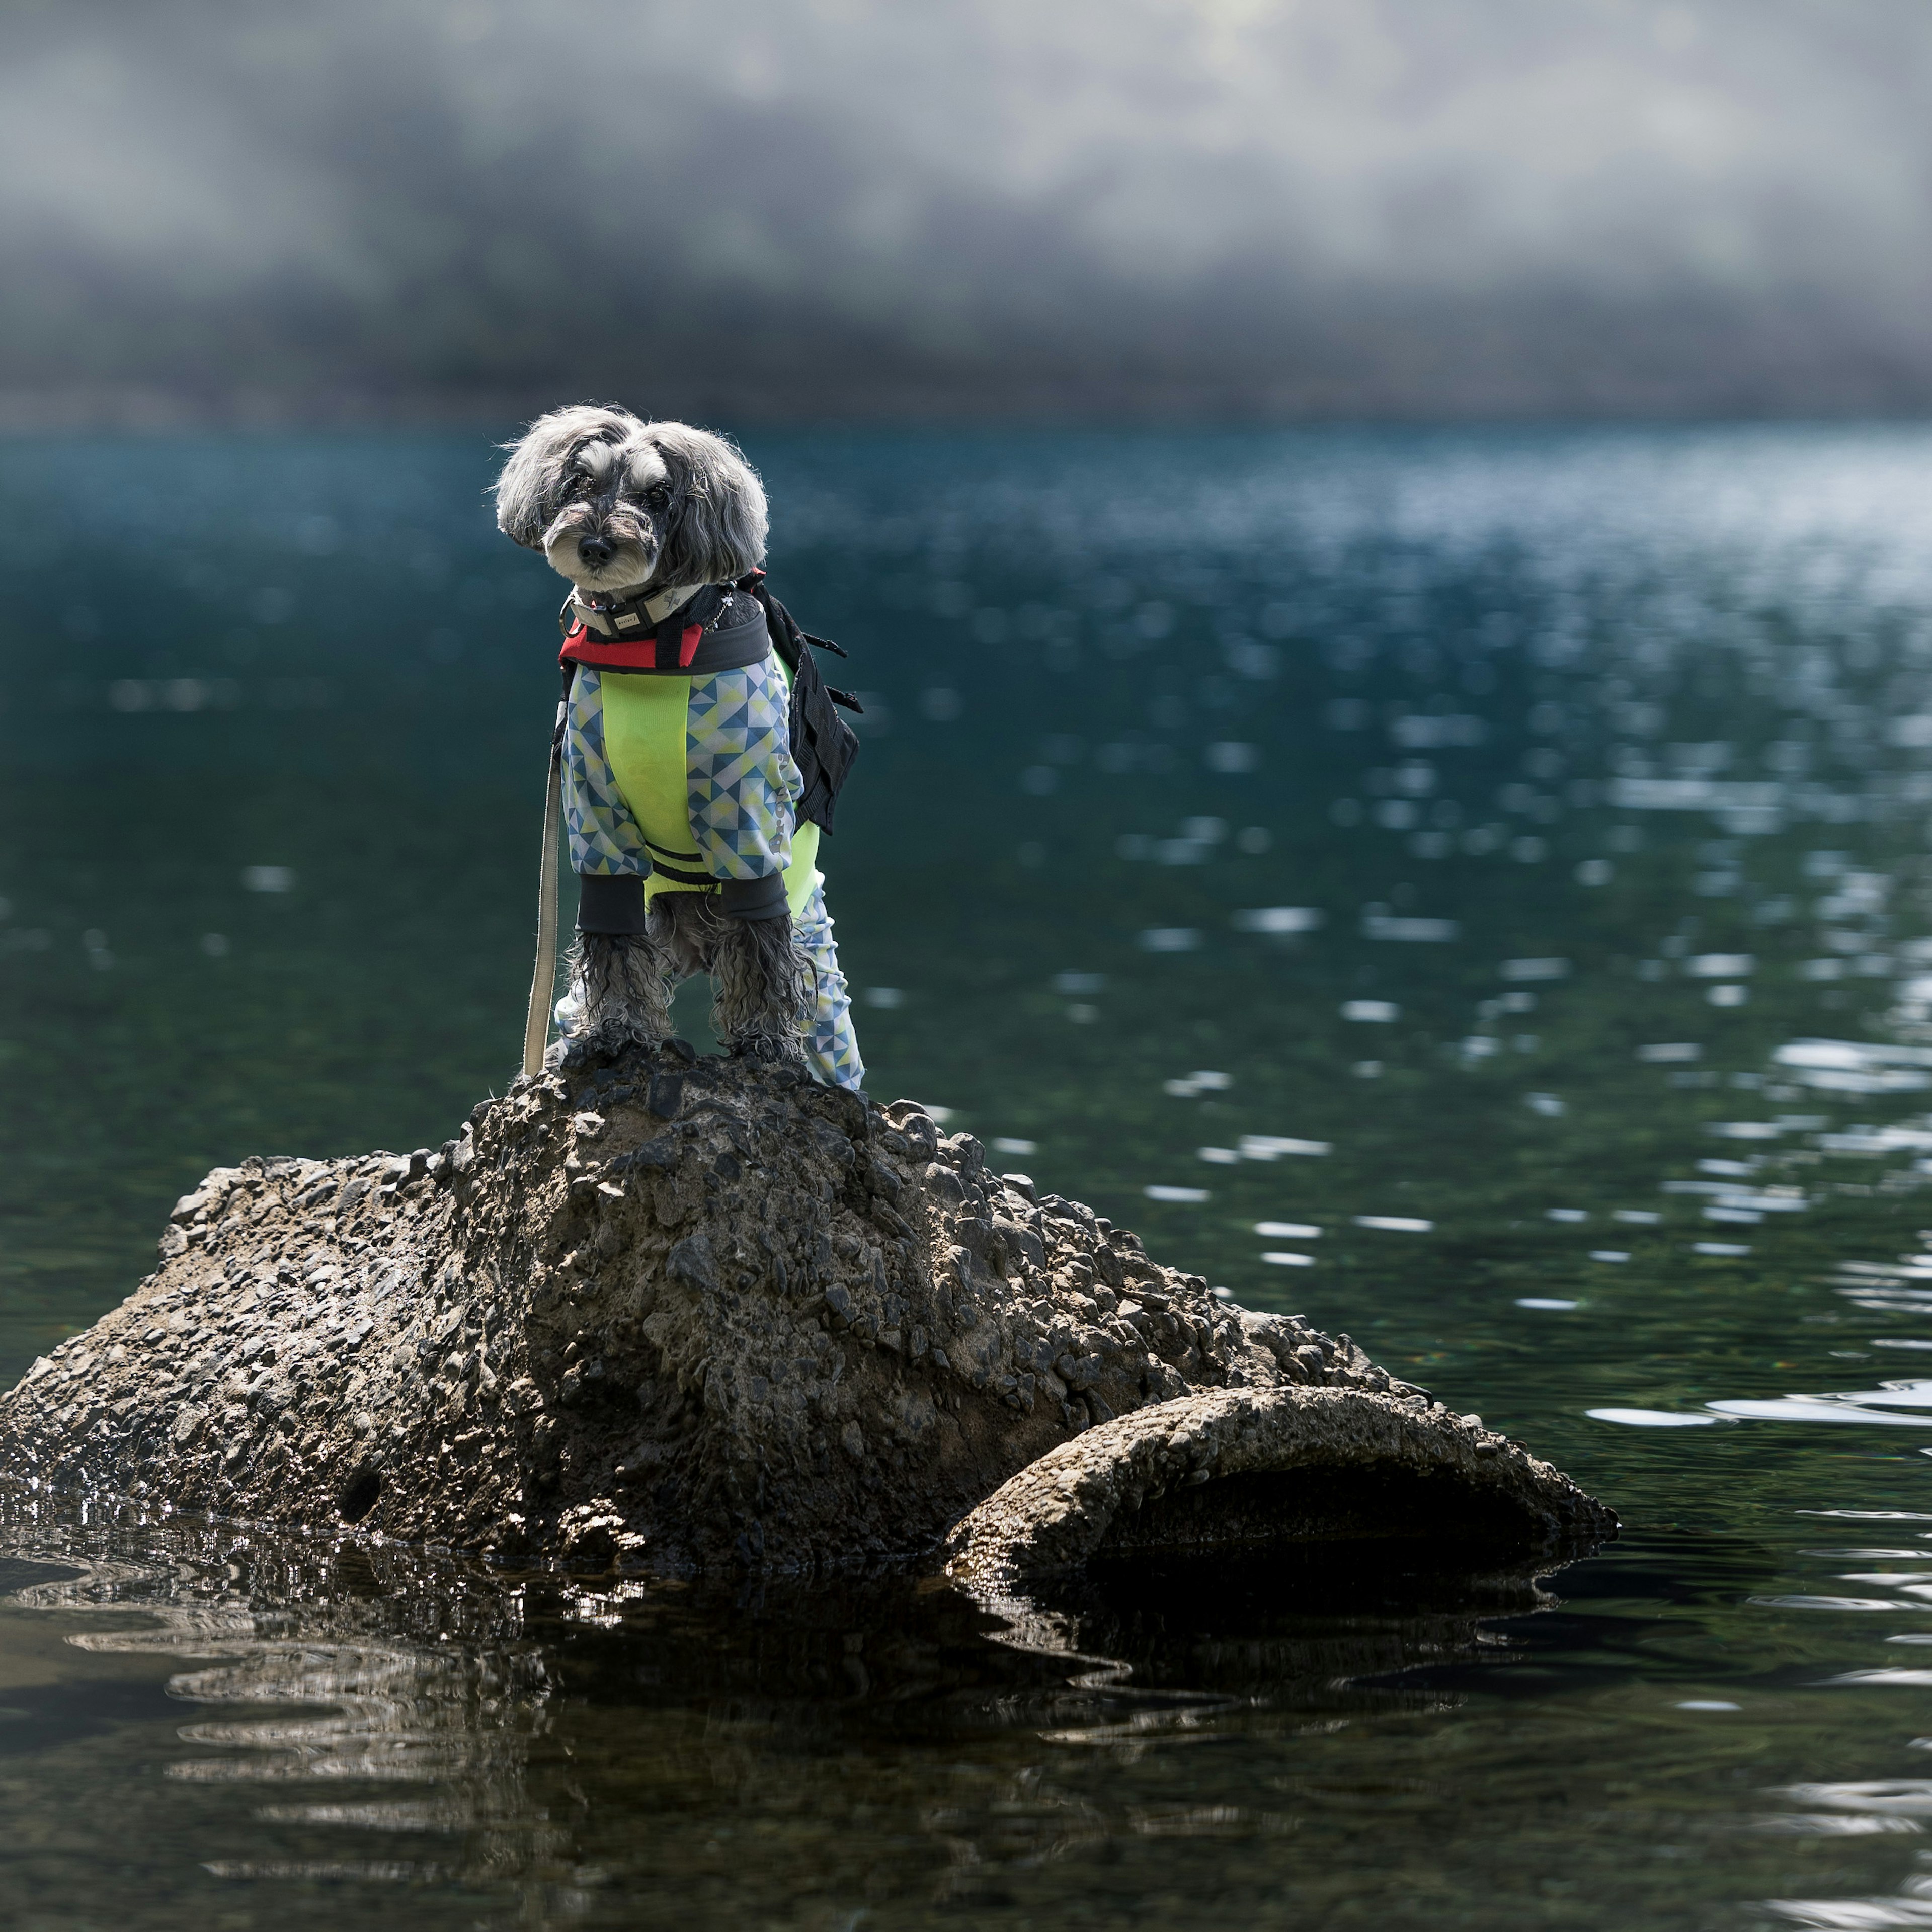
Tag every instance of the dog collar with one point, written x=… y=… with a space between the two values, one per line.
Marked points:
x=608 y=615
x=629 y=635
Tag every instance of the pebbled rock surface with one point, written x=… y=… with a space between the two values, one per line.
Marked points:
x=665 y=1311
x=1237 y=1466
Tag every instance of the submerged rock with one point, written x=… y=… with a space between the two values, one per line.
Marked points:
x=673 y=1312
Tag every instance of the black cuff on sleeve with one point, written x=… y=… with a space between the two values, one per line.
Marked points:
x=610 y=905
x=754 y=898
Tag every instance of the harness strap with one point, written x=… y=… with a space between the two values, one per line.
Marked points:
x=641 y=654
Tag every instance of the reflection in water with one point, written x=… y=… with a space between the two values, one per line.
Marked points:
x=593 y=1754
x=335 y=1650
x=1324 y=1737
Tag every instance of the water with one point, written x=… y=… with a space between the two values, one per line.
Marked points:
x=1467 y=887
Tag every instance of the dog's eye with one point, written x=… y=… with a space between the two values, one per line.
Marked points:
x=657 y=495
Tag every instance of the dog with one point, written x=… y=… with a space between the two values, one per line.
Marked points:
x=682 y=783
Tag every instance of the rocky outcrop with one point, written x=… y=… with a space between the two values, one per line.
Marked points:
x=669 y=1312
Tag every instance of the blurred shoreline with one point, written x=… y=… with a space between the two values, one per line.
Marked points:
x=115 y=410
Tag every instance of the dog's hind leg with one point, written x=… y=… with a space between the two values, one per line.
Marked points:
x=831 y=1046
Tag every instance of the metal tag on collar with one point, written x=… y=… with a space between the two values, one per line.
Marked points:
x=595 y=618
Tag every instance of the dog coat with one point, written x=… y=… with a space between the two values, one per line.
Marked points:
x=685 y=778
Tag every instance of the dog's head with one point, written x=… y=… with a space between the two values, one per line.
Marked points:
x=616 y=503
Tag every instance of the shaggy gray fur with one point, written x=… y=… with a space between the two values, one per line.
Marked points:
x=764 y=983
x=624 y=981
x=680 y=505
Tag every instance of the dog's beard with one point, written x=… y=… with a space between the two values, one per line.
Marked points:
x=631 y=564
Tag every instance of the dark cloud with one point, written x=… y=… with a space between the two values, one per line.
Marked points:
x=741 y=208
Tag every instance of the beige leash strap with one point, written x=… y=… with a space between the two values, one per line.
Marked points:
x=543 y=982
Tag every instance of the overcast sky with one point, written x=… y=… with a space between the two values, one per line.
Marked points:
x=1387 y=205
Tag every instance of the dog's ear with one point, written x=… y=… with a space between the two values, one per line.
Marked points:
x=530 y=490
x=718 y=531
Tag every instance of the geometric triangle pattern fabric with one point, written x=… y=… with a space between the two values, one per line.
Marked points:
x=744 y=787
x=604 y=839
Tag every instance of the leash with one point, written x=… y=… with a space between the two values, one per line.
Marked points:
x=543 y=981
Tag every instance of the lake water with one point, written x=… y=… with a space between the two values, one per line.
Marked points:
x=1469 y=887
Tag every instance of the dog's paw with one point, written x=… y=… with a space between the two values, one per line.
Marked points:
x=774 y=1049
x=614 y=1033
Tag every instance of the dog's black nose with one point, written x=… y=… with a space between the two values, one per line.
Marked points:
x=596 y=551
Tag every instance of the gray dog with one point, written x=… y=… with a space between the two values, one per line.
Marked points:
x=701 y=758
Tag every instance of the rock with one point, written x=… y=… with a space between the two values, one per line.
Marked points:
x=664 y=1312
x=1284 y=1464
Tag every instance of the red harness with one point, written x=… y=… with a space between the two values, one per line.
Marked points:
x=640 y=653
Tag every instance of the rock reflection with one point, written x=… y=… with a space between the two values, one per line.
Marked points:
x=617 y=1754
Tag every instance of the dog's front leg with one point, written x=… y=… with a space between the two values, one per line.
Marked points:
x=621 y=972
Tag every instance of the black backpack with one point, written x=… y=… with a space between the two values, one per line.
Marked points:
x=823 y=745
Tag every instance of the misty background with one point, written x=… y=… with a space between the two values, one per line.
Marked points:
x=750 y=209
